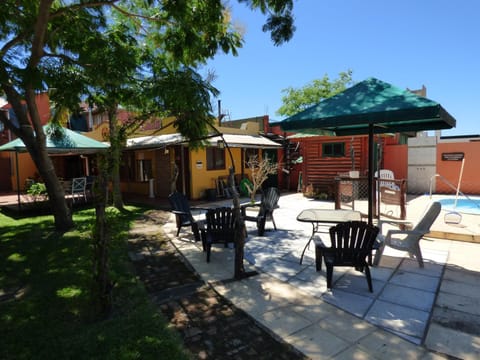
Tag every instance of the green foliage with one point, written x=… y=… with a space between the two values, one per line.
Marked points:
x=37 y=189
x=46 y=281
x=280 y=19
x=297 y=100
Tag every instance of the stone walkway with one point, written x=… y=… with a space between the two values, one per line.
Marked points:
x=210 y=326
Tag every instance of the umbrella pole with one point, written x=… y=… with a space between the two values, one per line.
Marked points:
x=19 y=202
x=370 y=173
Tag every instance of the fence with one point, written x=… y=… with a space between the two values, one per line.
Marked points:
x=353 y=193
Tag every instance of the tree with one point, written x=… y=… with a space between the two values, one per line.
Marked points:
x=48 y=44
x=259 y=169
x=296 y=100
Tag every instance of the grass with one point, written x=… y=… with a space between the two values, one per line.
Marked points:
x=46 y=300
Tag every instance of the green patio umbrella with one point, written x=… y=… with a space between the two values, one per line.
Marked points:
x=67 y=142
x=70 y=142
x=371 y=107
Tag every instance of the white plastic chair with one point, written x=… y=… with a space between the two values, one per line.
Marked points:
x=387 y=175
x=407 y=240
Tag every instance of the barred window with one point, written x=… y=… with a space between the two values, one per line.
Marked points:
x=333 y=149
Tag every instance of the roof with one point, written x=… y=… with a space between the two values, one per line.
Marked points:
x=233 y=140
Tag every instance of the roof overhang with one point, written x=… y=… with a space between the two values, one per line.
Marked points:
x=232 y=140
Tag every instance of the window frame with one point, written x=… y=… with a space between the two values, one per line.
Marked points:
x=329 y=149
x=143 y=170
x=215 y=158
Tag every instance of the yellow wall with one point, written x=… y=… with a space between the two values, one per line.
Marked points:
x=202 y=179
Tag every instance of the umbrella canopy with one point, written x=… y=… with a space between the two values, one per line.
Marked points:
x=70 y=142
x=371 y=107
x=372 y=101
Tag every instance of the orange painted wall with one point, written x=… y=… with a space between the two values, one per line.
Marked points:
x=395 y=158
x=450 y=170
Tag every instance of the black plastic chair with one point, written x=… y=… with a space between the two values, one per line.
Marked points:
x=219 y=228
x=351 y=244
x=268 y=203
x=183 y=214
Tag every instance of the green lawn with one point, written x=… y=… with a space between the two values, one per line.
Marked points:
x=45 y=299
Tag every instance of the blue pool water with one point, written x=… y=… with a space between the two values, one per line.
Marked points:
x=464 y=205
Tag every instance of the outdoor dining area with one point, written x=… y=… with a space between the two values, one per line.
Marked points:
x=293 y=254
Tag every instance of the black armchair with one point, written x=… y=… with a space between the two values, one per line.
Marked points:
x=351 y=245
x=183 y=213
x=219 y=229
x=268 y=203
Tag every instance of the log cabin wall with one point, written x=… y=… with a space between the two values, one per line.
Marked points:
x=320 y=170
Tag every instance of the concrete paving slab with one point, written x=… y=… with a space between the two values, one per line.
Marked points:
x=284 y=321
x=313 y=288
x=382 y=345
x=402 y=319
x=355 y=282
x=429 y=269
x=381 y=273
x=454 y=343
x=454 y=275
x=459 y=302
x=355 y=304
x=456 y=320
x=459 y=287
x=391 y=261
x=347 y=326
x=435 y=256
x=416 y=281
x=414 y=298
x=318 y=343
x=315 y=309
x=354 y=352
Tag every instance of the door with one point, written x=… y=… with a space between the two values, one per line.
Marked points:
x=422 y=164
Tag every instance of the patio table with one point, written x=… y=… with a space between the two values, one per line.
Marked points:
x=324 y=217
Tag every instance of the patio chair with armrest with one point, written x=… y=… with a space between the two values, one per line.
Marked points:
x=407 y=239
x=79 y=188
x=351 y=243
x=219 y=228
x=183 y=213
x=268 y=203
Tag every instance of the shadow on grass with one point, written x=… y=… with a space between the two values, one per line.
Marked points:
x=46 y=280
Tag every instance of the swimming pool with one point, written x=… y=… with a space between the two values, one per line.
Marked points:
x=464 y=205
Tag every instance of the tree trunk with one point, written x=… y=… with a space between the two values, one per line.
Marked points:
x=56 y=194
x=115 y=155
x=32 y=135
x=239 y=269
x=104 y=285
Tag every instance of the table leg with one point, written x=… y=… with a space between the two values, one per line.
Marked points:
x=308 y=243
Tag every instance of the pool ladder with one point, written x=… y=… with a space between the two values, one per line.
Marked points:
x=452 y=217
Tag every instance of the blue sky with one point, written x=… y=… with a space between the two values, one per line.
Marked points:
x=408 y=43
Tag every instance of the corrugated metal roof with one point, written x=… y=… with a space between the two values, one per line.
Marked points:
x=233 y=140
x=245 y=141
x=153 y=141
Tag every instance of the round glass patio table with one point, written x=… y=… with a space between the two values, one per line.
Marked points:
x=325 y=217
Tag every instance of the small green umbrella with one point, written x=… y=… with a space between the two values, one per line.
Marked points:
x=65 y=141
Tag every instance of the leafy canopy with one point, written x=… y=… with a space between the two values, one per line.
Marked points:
x=297 y=100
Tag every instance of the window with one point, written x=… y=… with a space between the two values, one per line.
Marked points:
x=144 y=170
x=333 y=149
x=215 y=158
